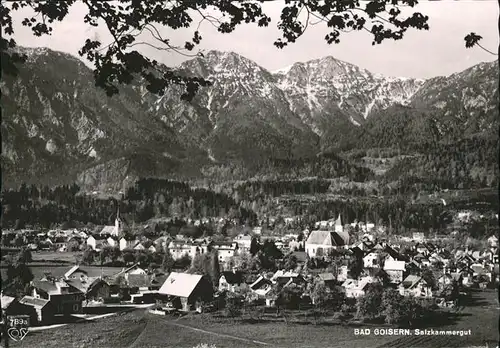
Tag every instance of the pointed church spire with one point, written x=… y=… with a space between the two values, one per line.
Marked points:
x=338 y=225
x=117 y=222
x=338 y=222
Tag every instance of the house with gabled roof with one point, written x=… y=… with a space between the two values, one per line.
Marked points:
x=43 y=308
x=127 y=242
x=372 y=259
x=65 y=298
x=187 y=290
x=12 y=306
x=180 y=248
x=6 y=301
x=94 y=288
x=336 y=224
x=126 y=272
x=395 y=270
x=139 y=282
x=415 y=286
x=393 y=255
x=97 y=242
x=261 y=286
x=465 y=260
x=284 y=277
x=225 y=250
x=244 y=241
x=79 y=271
x=422 y=248
x=326 y=278
x=449 y=279
x=231 y=281
x=356 y=288
x=319 y=243
x=480 y=272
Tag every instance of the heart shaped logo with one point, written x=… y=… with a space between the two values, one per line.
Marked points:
x=17 y=334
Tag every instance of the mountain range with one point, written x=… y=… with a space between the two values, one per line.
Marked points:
x=57 y=126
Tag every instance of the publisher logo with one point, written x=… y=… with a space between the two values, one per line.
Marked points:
x=17 y=334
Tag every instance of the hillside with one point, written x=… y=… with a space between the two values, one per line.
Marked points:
x=58 y=127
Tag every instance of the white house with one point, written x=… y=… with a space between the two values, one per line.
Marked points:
x=257 y=230
x=261 y=286
x=356 y=288
x=493 y=241
x=244 y=242
x=180 y=248
x=97 y=242
x=415 y=286
x=225 y=250
x=127 y=243
x=371 y=260
x=395 y=270
x=132 y=270
x=337 y=224
x=342 y=273
x=231 y=281
x=418 y=236
x=113 y=241
x=369 y=226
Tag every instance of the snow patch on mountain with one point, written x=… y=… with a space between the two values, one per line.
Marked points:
x=211 y=155
x=51 y=146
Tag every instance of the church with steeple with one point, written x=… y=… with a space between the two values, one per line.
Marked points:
x=116 y=229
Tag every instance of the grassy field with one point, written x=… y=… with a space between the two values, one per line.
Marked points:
x=39 y=269
x=55 y=257
x=481 y=317
x=139 y=329
x=116 y=331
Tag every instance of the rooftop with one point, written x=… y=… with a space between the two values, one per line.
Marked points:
x=180 y=284
x=35 y=302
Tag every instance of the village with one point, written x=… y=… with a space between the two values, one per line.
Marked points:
x=332 y=270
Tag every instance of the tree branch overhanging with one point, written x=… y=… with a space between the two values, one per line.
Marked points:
x=117 y=63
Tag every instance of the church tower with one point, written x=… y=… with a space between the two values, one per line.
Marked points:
x=118 y=223
x=338 y=225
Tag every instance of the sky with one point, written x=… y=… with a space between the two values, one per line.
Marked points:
x=420 y=54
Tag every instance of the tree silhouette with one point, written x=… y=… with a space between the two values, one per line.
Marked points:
x=472 y=40
x=119 y=63
x=167 y=262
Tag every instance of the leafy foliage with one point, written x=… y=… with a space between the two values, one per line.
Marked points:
x=19 y=274
x=472 y=39
x=368 y=306
x=207 y=264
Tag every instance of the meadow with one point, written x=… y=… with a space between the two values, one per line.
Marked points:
x=140 y=329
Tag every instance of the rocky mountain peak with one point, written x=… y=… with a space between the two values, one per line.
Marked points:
x=54 y=116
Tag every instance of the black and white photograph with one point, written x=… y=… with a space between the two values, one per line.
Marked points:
x=225 y=174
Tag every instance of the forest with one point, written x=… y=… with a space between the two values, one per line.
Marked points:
x=468 y=163
x=247 y=203
x=324 y=165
